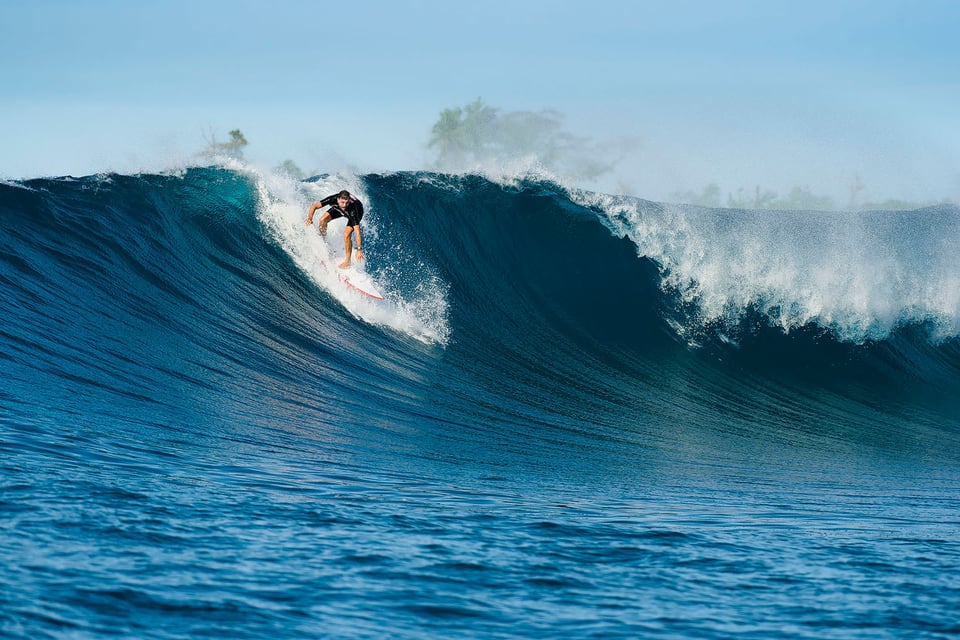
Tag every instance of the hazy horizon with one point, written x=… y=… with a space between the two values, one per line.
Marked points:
x=741 y=95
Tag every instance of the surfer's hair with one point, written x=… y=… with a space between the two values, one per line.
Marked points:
x=343 y=194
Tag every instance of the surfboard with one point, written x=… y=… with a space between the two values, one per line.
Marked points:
x=360 y=281
x=356 y=279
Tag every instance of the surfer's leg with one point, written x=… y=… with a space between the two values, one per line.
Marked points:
x=324 y=219
x=347 y=246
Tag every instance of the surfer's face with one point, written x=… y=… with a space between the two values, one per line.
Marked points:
x=343 y=202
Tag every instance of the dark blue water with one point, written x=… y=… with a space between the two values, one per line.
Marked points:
x=574 y=415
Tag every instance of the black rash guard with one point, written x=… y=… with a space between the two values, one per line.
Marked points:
x=353 y=212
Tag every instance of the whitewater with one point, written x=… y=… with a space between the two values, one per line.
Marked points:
x=574 y=415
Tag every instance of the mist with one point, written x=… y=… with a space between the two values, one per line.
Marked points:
x=801 y=159
x=658 y=150
x=479 y=137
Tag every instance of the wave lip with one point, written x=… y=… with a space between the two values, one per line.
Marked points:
x=859 y=275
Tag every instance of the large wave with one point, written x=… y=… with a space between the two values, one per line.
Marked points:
x=508 y=305
x=860 y=275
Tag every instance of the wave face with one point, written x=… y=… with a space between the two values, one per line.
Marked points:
x=574 y=414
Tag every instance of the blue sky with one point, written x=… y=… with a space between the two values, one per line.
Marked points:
x=738 y=93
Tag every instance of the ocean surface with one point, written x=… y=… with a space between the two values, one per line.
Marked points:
x=574 y=415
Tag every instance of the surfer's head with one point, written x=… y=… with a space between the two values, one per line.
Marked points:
x=343 y=198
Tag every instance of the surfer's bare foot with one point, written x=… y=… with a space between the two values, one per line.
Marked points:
x=344 y=264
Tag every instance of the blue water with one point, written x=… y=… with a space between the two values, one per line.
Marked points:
x=575 y=415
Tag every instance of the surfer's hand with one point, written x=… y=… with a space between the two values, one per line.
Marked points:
x=309 y=221
x=360 y=255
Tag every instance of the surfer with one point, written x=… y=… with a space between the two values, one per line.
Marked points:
x=342 y=205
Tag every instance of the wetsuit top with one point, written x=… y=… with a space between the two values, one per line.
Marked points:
x=353 y=212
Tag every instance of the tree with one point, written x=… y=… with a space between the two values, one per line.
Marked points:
x=461 y=135
x=478 y=134
x=232 y=149
x=804 y=198
x=290 y=168
x=708 y=197
x=762 y=199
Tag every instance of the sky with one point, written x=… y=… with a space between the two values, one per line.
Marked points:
x=739 y=93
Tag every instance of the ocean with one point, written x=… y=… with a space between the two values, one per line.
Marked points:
x=574 y=414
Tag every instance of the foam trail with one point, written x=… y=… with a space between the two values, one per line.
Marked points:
x=420 y=313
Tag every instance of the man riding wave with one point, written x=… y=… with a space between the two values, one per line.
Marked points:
x=342 y=205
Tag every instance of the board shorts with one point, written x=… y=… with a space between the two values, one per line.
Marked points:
x=353 y=217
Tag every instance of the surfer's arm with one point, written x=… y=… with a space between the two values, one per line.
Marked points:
x=313 y=210
x=358 y=239
x=326 y=202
